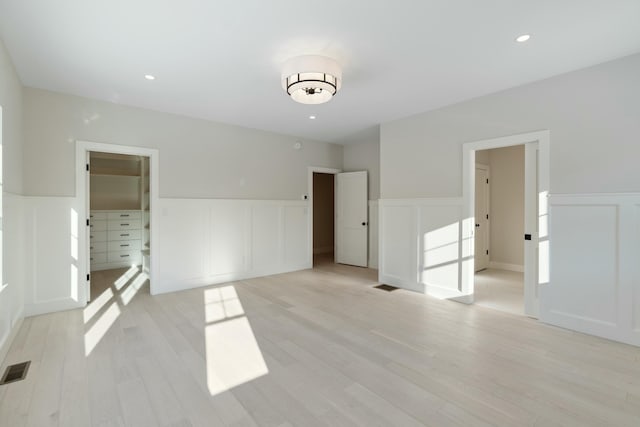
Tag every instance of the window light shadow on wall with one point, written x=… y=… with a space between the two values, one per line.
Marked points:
x=446 y=254
x=233 y=356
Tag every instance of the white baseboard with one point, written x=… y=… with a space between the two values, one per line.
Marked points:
x=505 y=266
x=51 y=306
x=6 y=344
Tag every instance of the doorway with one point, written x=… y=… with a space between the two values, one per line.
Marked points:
x=350 y=217
x=499 y=229
x=536 y=236
x=323 y=218
x=117 y=197
x=119 y=222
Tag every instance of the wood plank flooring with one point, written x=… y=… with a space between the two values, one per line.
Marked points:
x=500 y=290
x=318 y=347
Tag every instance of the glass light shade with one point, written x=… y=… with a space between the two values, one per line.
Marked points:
x=311 y=79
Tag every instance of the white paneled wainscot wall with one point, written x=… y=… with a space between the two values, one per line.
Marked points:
x=425 y=246
x=594 y=265
x=593 y=285
x=207 y=241
x=200 y=242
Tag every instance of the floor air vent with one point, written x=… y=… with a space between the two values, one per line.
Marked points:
x=387 y=288
x=15 y=372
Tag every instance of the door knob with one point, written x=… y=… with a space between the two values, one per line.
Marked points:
x=364 y=223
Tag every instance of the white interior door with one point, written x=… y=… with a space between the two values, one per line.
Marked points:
x=351 y=222
x=481 y=254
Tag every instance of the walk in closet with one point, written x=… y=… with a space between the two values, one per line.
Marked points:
x=119 y=211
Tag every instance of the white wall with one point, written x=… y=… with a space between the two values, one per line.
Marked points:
x=218 y=184
x=198 y=158
x=13 y=267
x=592 y=116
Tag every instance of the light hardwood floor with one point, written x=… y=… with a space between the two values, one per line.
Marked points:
x=500 y=289
x=315 y=347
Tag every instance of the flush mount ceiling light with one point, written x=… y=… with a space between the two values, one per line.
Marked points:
x=311 y=79
x=523 y=38
x=149 y=77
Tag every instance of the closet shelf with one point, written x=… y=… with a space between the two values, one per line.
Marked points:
x=127 y=174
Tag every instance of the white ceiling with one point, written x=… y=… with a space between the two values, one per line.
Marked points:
x=220 y=60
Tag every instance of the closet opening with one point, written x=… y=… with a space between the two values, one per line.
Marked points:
x=499 y=228
x=119 y=224
x=323 y=218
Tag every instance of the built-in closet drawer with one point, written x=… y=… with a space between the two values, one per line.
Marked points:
x=124 y=224
x=133 y=257
x=124 y=215
x=97 y=236
x=115 y=239
x=124 y=245
x=98 y=225
x=99 y=258
x=123 y=235
x=97 y=215
x=98 y=246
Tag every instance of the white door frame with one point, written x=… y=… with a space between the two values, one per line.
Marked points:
x=536 y=145
x=311 y=170
x=82 y=150
x=487 y=169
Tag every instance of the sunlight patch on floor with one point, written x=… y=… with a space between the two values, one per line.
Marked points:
x=232 y=352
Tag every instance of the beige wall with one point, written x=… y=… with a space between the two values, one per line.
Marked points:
x=323 y=212
x=592 y=115
x=198 y=158
x=506 y=205
x=362 y=152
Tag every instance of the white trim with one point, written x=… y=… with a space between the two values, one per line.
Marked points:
x=537 y=141
x=505 y=266
x=310 y=172
x=8 y=340
x=82 y=148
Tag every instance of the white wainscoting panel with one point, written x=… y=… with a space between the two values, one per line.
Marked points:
x=398 y=258
x=266 y=229
x=184 y=242
x=440 y=249
x=13 y=270
x=594 y=276
x=635 y=273
x=422 y=245
x=373 y=234
x=229 y=229
x=52 y=226
x=296 y=246
x=205 y=241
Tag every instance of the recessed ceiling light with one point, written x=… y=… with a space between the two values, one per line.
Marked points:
x=149 y=77
x=312 y=117
x=523 y=38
